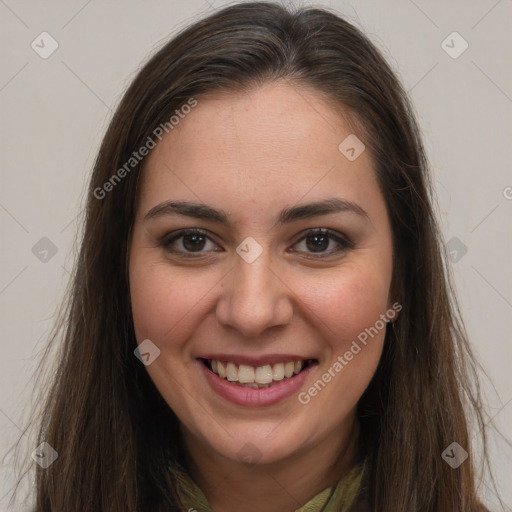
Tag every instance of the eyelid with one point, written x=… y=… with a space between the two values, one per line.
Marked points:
x=167 y=239
x=342 y=240
x=336 y=235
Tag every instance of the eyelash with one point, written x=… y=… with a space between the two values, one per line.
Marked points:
x=343 y=242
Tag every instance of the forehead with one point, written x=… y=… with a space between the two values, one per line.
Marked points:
x=275 y=144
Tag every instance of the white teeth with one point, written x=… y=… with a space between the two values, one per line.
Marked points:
x=245 y=374
x=278 y=371
x=260 y=377
x=231 y=372
x=221 y=369
x=264 y=374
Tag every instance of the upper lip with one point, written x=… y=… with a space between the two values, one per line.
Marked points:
x=255 y=360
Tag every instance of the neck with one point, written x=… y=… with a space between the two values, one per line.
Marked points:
x=285 y=485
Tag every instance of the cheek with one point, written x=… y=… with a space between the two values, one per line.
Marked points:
x=348 y=313
x=348 y=302
x=161 y=300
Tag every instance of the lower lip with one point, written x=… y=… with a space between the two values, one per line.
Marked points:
x=255 y=397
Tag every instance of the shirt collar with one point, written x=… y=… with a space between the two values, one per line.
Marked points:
x=339 y=498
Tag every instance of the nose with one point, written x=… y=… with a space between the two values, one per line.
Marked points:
x=254 y=298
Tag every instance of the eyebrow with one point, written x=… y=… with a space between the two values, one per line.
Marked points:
x=287 y=215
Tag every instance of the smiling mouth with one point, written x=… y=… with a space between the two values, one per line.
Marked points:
x=257 y=377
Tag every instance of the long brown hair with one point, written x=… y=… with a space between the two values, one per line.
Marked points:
x=114 y=434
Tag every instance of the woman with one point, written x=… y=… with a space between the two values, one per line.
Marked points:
x=261 y=315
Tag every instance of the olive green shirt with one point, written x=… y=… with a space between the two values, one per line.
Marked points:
x=340 y=498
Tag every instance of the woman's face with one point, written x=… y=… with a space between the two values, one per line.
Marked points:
x=259 y=288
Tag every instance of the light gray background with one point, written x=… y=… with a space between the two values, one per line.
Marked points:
x=55 y=110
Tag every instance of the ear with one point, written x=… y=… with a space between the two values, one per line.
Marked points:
x=393 y=311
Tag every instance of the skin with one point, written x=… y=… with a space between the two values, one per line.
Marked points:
x=252 y=154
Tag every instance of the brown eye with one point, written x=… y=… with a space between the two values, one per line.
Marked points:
x=187 y=242
x=193 y=242
x=320 y=240
x=317 y=243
